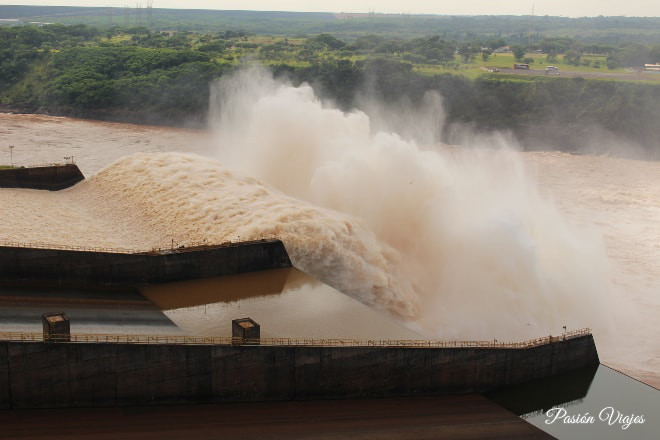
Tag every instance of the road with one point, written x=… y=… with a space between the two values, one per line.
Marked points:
x=632 y=76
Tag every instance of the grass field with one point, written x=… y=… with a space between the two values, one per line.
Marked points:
x=506 y=60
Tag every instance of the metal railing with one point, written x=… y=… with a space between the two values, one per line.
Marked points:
x=284 y=342
x=43 y=164
x=37 y=245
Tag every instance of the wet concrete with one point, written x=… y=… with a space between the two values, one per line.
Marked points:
x=53 y=177
x=60 y=268
x=38 y=374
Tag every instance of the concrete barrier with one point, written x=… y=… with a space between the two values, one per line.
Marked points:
x=32 y=267
x=53 y=177
x=37 y=374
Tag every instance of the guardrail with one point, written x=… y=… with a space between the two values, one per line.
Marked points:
x=173 y=247
x=18 y=244
x=43 y=165
x=284 y=342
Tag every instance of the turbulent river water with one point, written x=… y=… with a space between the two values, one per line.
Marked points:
x=459 y=243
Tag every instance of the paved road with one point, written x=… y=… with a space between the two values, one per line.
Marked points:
x=633 y=76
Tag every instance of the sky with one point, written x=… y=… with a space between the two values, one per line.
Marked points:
x=569 y=8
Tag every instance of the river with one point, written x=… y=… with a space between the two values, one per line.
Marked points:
x=617 y=200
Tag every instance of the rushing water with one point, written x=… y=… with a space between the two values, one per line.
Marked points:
x=512 y=245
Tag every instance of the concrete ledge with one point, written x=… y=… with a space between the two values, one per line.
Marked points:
x=37 y=374
x=32 y=267
x=54 y=177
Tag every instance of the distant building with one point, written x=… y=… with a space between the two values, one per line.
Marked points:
x=652 y=67
x=503 y=49
x=10 y=21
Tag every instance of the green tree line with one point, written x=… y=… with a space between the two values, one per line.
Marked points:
x=136 y=75
x=542 y=112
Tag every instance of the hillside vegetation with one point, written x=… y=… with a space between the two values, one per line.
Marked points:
x=515 y=29
x=139 y=75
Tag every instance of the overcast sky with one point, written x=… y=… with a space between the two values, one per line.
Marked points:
x=571 y=8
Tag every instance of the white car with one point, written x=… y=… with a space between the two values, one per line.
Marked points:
x=551 y=70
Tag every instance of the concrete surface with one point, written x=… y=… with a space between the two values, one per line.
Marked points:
x=57 y=268
x=37 y=374
x=53 y=177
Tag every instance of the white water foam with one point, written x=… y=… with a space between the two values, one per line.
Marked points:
x=485 y=254
x=469 y=248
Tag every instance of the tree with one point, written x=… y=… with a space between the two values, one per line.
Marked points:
x=630 y=55
x=494 y=43
x=467 y=51
x=556 y=45
x=368 y=42
x=518 y=51
x=434 y=49
x=572 y=57
x=329 y=41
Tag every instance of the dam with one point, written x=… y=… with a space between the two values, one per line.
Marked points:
x=116 y=370
x=107 y=370
x=22 y=264
x=49 y=177
x=145 y=201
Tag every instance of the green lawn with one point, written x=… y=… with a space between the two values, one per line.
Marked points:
x=541 y=60
x=506 y=60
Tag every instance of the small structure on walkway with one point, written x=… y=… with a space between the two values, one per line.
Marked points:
x=245 y=331
x=57 y=327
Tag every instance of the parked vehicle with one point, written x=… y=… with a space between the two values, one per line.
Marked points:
x=551 y=70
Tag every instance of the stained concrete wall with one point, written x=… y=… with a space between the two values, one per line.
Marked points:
x=81 y=269
x=53 y=178
x=35 y=374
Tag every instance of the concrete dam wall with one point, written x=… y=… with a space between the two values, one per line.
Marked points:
x=32 y=267
x=53 y=177
x=38 y=374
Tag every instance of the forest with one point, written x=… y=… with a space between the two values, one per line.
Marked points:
x=515 y=29
x=136 y=74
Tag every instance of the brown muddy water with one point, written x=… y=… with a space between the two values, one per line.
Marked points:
x=148 y=201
